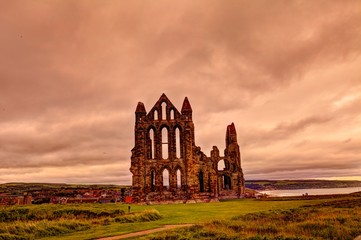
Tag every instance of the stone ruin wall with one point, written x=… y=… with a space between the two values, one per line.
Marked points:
x=164 y=142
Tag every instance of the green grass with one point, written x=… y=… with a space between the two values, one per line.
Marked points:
x=202 y=212
x=186 y=213
x=89 y=221
x=19 y=188
x=36 y=222
x=330 y=220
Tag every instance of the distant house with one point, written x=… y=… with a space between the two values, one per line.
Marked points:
x=15 y=199
x=82 y=200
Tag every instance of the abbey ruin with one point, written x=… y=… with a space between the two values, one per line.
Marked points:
x=167 y=165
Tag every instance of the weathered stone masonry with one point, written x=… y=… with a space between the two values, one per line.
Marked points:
x=168 y=166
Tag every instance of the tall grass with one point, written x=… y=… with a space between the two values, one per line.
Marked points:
x=331 y=220
x=33 y=222
x=234 y=221
x=43 y=228
x=16 y=214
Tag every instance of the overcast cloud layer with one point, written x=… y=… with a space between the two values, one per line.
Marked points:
x=287 y=73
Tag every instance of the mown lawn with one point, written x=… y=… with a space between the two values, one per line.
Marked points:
x=90 y=221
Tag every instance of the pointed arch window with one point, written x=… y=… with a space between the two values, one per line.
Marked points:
x=151 y=144
x=164 y=111
x=201 y=182
x=172 y=114
x=221 y=165
x=165 y=176
x=226 y=182
x=177 y=143
x=165 y=143
x=152 y=181
x=155 y=115
x=179 y=179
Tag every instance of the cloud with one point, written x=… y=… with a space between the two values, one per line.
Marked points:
x=93 y=140
x=281 y=132
x=72 y=72
x=108 y=173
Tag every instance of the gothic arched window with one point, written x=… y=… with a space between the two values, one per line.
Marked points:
x=221 y=165
x=152 y=181
x=177 y=143
x=151 y=144
x=165 y=176
x=156 y=117
x=165 y=143
x=179 y=179
x=164 y=111
x=172 y=114
x=201 y=182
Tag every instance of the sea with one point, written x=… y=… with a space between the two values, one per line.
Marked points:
x=311 y=191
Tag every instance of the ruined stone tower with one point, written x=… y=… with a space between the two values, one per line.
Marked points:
x=168 y=166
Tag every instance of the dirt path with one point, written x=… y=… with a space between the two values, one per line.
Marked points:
x=145 y=232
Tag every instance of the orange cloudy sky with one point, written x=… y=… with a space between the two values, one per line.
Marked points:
x=287 y=73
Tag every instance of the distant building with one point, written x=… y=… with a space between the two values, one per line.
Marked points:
x=82 y=200
x=15 y=199
x=168 y=166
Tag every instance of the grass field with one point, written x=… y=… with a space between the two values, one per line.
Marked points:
x=89 y=221
x=340 y=219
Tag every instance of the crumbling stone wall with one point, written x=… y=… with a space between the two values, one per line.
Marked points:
x=164 y=143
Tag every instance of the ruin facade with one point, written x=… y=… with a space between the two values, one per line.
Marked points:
x=167 y=165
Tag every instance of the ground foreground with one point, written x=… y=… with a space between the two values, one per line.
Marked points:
x=237 y=219
x=329 y=220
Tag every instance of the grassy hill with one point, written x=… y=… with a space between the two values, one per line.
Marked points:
x=299 y=184
x=19 y=188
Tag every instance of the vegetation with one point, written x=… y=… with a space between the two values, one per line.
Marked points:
x=178 y=214
x=33 y=222
x=91 y=221
x=299 y=184
x=329 y=220
x=21 y=188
